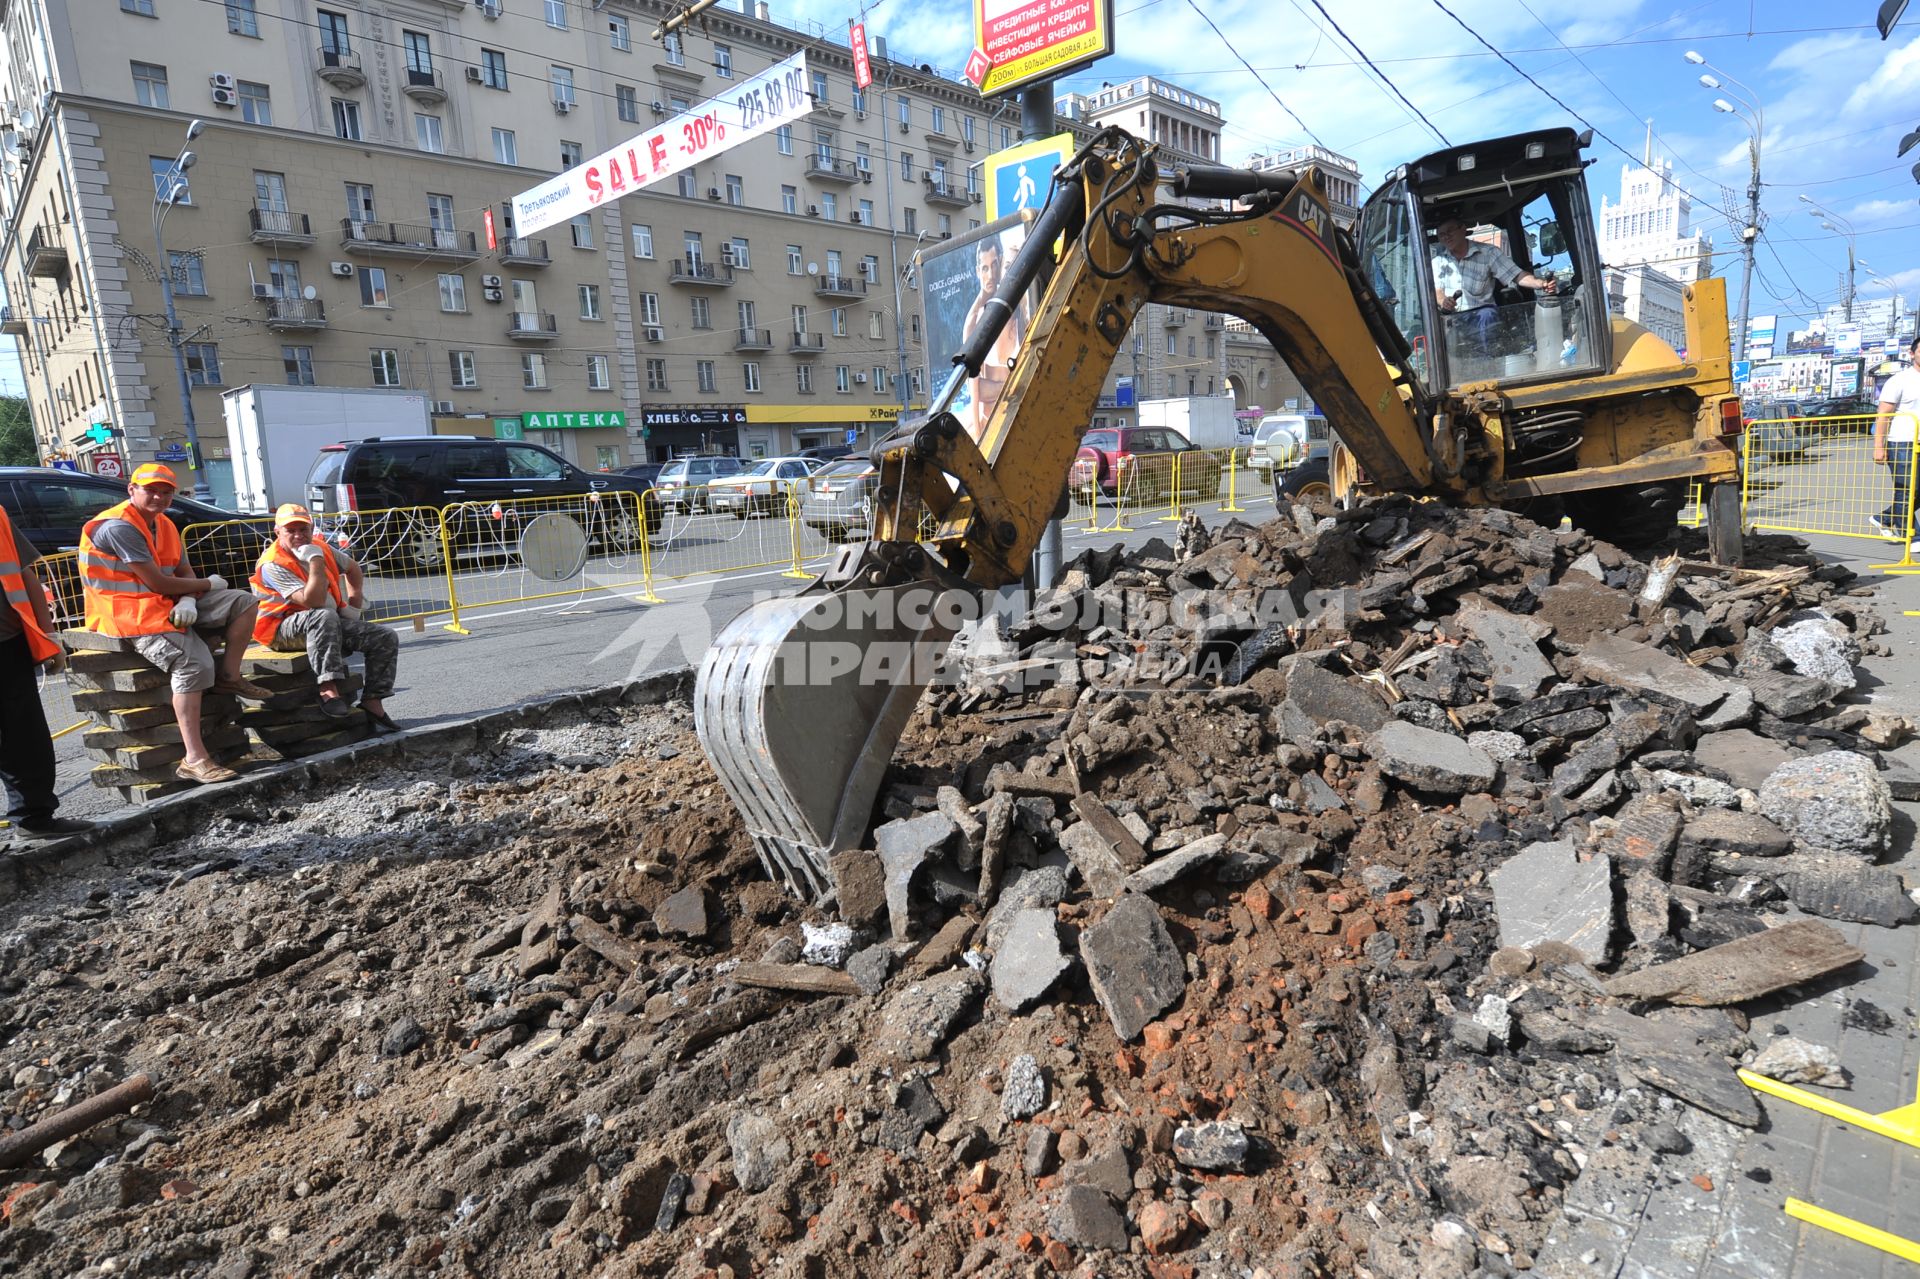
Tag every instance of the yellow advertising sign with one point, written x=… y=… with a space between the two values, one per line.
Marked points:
x=1030 y=40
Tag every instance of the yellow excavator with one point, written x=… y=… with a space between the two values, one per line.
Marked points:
x=1535 y=399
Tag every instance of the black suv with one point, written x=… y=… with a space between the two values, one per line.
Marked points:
x=364 y=480
x=49 y=508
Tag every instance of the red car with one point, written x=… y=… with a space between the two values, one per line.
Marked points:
x=1141 y=464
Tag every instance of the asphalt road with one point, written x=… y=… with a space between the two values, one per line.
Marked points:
x=518 y=651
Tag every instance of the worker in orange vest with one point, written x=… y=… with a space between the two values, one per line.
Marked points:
x=140 y=587
x=27 y=645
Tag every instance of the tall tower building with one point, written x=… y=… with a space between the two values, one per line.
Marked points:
x=1651 y=247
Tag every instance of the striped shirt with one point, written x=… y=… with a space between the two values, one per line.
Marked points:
x=1473 y=276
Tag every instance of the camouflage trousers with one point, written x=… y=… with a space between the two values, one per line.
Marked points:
x=327 y=638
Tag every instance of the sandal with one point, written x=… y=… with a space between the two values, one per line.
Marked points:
x=205 y=774
x=381 y=722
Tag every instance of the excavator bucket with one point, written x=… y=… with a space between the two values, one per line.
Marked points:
x=799 y=705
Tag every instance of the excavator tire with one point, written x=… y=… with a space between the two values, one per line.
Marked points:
x=1629 y=517
x=1312 y=478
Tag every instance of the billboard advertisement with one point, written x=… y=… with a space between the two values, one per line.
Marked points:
x=1024 y=41
x=1760 y=336
x=1846 y=341
x=956 y=280
x=777 y=96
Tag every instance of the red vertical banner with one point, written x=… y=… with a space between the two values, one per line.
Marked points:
x=862 y=69
x=486 y=219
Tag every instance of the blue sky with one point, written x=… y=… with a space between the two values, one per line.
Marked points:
x=1834 y=98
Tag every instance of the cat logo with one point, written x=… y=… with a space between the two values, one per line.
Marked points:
x=1311 y=216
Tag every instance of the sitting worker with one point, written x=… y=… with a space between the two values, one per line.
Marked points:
x=311 y=597
x=1464 y=275
x=140 y=587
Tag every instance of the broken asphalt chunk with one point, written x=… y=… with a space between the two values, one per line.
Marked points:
x=1743 y=969
x=1136 y=972
x=1544 y=893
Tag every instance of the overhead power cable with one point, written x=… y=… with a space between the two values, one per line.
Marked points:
x=1256 y=75
x=1338 y=30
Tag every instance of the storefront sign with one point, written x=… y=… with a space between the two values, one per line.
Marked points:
x=830 y=414
x=651 y=418
x=576 y=420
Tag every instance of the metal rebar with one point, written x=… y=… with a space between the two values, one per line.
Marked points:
x=17 y=1148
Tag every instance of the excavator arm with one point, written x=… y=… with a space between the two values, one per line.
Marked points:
x=801 y=700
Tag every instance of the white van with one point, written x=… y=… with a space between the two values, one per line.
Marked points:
x=1283 y=441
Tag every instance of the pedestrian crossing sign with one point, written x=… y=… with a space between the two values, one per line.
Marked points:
x=1021 y=177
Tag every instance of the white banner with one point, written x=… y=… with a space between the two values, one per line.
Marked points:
x=779 y=95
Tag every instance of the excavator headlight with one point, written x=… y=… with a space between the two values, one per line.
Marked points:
x=1466 y=163
x=1535 y=150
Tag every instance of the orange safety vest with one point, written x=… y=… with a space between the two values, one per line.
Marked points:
x=13 y=583
x=273 y=605
x=117 y=603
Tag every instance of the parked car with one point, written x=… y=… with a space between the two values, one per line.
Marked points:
x=1285 y=440
x=645 y=472
x=837 y=502
x=1856 y=414
x=682 y=485
x=762 y=488
x=1141 y=463
x=826 y=452
x=49 y=508
x=384 y=488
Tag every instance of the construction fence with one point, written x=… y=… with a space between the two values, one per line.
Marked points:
x=1825 y=476
x=1150 y=488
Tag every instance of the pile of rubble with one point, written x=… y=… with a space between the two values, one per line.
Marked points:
x=1311 y=899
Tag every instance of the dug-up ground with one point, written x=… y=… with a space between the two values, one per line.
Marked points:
x=1191 y=943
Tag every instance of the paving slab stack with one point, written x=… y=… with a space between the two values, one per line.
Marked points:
x=292 y=722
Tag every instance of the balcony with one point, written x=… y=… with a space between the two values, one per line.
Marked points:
x=1216 y=321
x=807 y=344
x=524 y=252
x=840 y=286
x=686 y=271
x=754 y=340
x=12 y=322
x=277 y=226
x=296 y=313
x=436 y=243
x=823 y=168
x=341 y=68
x=45 y=257
x=424 y=86
x=949 y=194
x=533 y=326
x=1175 y=318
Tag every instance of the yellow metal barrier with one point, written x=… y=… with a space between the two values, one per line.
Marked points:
x=1233 y=478
x=1819 y=476
x=527 y=549
x=696 y=542
x=60 y=574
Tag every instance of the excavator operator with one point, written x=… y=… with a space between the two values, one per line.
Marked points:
x=1464 y=274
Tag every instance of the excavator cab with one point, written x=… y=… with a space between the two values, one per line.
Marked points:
x=1446 y=240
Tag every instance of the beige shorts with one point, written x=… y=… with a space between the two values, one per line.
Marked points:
x=185 y=657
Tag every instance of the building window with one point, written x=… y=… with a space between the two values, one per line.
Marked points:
x=460 y=365
x=676 y=51
x=910 y=221
x=493 y=68
x=203 y=363
x=256 y=105
x=879 y=380
x=783 y=136
x=571 y=153
x=742 y=253
x=346 y=119
x=241 y=19
x=842 y=379
x=150 y=85
x=863 y=157
x=627 y=102
x=789 y=199
x=865 y=213
x=656 y=375
x=736 y=190
x=799 y=319
x=859 y=100
x=906 y=109
x=906 y=166
x=453 y=293
x=581 y=229
x=829 y=206
x=703 y=370
x=794 y=265
x=334 y=39
x=505 y=149
x=561 y=78
x=597 y=377
x=533 y=371
x=298 y=363
x=945 y=225
x=142 y=7
x=557 y=14
x=189 y=274
x=373 y=286
x=819 y=88
x=589 y=301
x=619 y=35
x=642 y=240
x=426 y=131
x=419 y=56
x=386 y=366
x=870 y=267
x=873 y=326
x=688 y=184
x=359 y=202
x=803 y=378
x=702 y=313
x=839 y=317
x=750 y=375
x=966 y=128
x=165 y=174
x=939 y=119
x=723 y=61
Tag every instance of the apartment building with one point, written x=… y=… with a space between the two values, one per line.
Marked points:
x=348 y=221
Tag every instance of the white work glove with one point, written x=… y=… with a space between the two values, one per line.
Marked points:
x=215 y=582
x=350 y=612
x=185 y=612
x=309 y=553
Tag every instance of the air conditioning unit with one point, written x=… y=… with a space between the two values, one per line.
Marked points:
x=813 y=210
x=726 y=255
x=968 y=147
x=490 y=281
x=854 y=217
x=859 y=115
x=221 y=80
x=860 y=379
x=713 y=193
x=488 y=8
x=866 y=175
x=262 y=290
x=561 y=106
x=659 y=107
x=476 y=76
x=491 y=294
x=654 y=333
x=443 y=406
x=906 y=126
x=343 y=268
x=225 y=98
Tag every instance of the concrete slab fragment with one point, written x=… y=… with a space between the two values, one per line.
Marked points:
x=1748 y=968
x=1643 y=669
x=1544 y=893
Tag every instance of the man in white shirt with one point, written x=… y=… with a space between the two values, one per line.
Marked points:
x=1464 y=275
x=1893 y=436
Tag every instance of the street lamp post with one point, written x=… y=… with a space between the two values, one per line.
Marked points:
x=172 y=185
x=1756 y=126
x=1844 y=231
